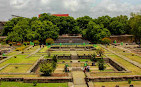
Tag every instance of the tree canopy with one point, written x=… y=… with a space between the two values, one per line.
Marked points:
x=47 y=26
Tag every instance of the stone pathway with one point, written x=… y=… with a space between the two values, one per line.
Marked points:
x=78 y=76
x=125 y=58
x=79 y=79
x=74 y=55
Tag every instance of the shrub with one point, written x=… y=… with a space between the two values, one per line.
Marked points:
x=93 y=58
x=49 y=41
x=25 y=43
x=34 y=83
x=14 y=43
x=28 y=43
x=55 y=58
x=46 y=68
x=36 y=42
x=54 y=65
x=20 y=48
x=100 y=52
x=106 y=40
x=49 y=54
x=18 y=44
x=10 y=43
x=129 y=81
x=101 y=64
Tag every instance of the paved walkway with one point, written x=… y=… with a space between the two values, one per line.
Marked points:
x=125 y=58
x=74 y=55
x=79 y=79
x=78 y=76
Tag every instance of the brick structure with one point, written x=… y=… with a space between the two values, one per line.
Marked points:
x=122 y=38
x=71 y=38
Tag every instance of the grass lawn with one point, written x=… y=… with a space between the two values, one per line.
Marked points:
x=126 y=64
x=85 y=52
x=44 y=49
x=84 y=60
x=135 y=70
x=20 y=59
x=113 y=84
x=20 y=84
x=32 y=49
x=12 y=53
x=64 y=60
x=60 y=53
x=126 y=54
x=13 y=69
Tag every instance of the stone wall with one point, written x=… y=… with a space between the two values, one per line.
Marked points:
x=64 y=57
x=122 y=38
x=84 y=56
x=39 y=80
x=116 y=65
x=114 y=78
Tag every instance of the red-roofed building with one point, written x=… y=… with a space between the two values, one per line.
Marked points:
x=64 y=15
x=59 y=15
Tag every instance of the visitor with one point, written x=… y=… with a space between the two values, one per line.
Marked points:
x=84 y=69
x=88 y=68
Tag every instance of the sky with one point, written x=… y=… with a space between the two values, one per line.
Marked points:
x=75 y=8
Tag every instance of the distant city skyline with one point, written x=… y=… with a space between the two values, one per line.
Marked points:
x=75 y=8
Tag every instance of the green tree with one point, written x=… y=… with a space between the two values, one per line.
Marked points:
x=82 y=22
x=105 y=20
x=134 y=23
x=46 y=68
x=96 y=32
x=119 y=25
x=93 y=58
x=14 y=37
x=101 y=64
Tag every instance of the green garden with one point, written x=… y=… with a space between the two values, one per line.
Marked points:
x=52 y=51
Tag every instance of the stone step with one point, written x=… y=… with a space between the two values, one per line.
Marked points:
x=84 y=85
x=78 y=81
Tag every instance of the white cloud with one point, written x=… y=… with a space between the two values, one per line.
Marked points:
x=19 y=3
x=72 y=5
x=45 y=1
x=75 y=8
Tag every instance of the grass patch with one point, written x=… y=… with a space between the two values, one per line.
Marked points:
x=84 y=60
x=16 y=69
x=12 y=53
x=113 y=84
x=20 y=59
x=126 y=54
x=20 y=84
x=44 y=49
